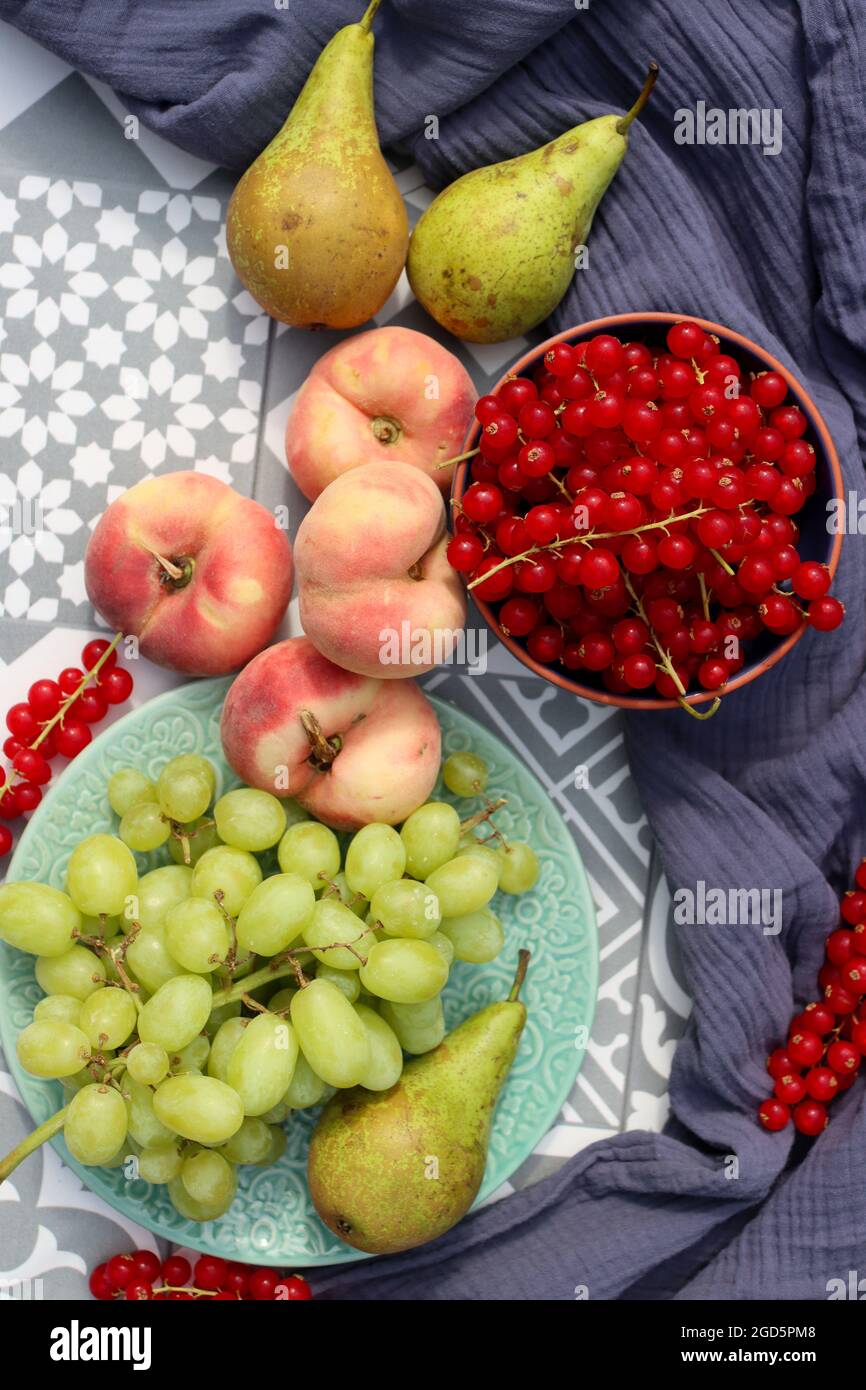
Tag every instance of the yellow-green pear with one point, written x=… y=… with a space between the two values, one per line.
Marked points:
x=389 y=1170
x=316 y=229
x=493 y=255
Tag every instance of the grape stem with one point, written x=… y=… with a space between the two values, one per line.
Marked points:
x=117 y=956
x=47 y=1130
x=481 y=816
x=289 y=963
x=63 y=710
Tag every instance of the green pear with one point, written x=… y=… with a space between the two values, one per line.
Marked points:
x=316 y=229
x=389 y=1170
x=493 y=255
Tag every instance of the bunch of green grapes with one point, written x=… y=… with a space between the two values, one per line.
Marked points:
x=188 y=1011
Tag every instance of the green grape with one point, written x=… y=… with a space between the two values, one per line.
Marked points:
x=127 y=788
x=191 y=1210
x=311 y=850
x=280 y=1112
x=418 y=1027
x=200 y=1108
x=197 y=763
x=209 y=1178
x=62 y=1008
x=158 y=891
x=144 y=827
x=144 y=1125
x=193 y=1057
x=406 y=972
x=226 y=1040
x=261 y=1066
x=95 y=1125
x=430 y=835
x=376 y=855
x=519 y=867
x=179 y=1010
x=277 y=1149
x=251 y=1144
x=275 y=913
x=37 y=918
x=346 y=981
x=232 y=872
x=77 y=972
x=386 y=1056
x=184 y=788
x=338 y=890
x=464 y=884
x=406 y=908
x=108 y=1017
x=444 y=947
x=333 y=922
x=160 y=1163
x=201 y=835
x=101 y=875
x=282 y=1000
x=197 y=935
x=250 y=819
x=465 y=774
x=221 y=1015
x=50 y=1048
x=477 y=937
x=150 y=961
x=307 y=1088
x=294 y=811
x=331 y=1035
x=469 y=845
x=147 y=1063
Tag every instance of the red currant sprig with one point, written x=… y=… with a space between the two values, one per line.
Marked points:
x=41 y=727
x=826 y=1040
x=134 y=1277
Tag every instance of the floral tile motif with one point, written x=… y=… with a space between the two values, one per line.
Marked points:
x=127 y=348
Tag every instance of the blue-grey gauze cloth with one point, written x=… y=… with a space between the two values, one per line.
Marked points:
x=770 y=793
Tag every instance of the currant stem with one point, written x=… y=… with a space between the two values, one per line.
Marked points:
x=449 y=463
x=722 y=561
x=63 y=710
x=651 y=78
x=47 y=1130
x=589 y=539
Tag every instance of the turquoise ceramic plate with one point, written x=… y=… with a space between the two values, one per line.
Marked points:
x=272 y=1220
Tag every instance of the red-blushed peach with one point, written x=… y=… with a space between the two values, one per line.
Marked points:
x=199 y=574
x=385 y=396
x=350 y=749
x=377 y=595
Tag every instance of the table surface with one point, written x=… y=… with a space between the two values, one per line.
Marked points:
x=128 y=348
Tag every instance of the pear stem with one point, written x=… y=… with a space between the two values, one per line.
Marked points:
x=523 y=958
x=623 y=124
x=370 y=15
x=51 y=1126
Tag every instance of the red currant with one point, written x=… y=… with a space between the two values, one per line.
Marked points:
x=822 y=1083
x=72 y=737
x=826 y=614
x=773 y=1115
x=209 y=1272
x=810 y=1117
x=804 y=1048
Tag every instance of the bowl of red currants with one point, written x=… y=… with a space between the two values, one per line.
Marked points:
x=641 y=512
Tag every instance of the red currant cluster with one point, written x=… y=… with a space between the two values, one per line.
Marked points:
x=134 y=1277
x=631 y=510
x=827 y=1041
x=56 y=718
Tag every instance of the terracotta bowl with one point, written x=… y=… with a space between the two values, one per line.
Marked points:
x=815 y=541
